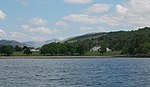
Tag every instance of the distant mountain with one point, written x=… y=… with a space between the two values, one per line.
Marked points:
x=86 y=36
x=52 y=40
x=40 y=43
x=12 y=42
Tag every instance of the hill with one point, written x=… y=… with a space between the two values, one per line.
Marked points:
x=86 y=36
x=11 y=42
x=40 y=43
x=129 y=42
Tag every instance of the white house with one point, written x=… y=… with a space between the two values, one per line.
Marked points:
x=96 y=48
x=107 y=49
x=34 y=50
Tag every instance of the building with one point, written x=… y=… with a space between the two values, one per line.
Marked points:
x=107 y=49
x=96 y=48
x=34 y=50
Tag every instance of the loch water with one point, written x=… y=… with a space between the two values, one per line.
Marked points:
x=95 y=72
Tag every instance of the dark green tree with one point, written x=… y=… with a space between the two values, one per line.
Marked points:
x=7 y=50
x=80 y=49
x=71 y=48
x=63 y=49
x=44 y=49
x=102 y=50
x=27 y=51
x=18 y=48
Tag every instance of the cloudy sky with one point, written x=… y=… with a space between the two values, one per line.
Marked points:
x=38 y=20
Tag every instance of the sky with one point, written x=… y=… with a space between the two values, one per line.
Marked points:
x=40 y=20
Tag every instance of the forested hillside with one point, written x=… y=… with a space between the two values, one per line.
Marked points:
x=129 y=42
x=86 y=36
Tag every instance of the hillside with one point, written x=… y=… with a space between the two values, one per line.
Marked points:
x=129 y=42
x=86 y=36
x=40 y=43
x=11 y=42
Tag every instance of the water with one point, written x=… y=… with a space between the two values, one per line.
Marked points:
x=114 y=72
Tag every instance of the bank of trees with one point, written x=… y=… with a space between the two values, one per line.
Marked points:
x=76 y=48
x=6 y=50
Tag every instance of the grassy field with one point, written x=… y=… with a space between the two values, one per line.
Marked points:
x=21 y=54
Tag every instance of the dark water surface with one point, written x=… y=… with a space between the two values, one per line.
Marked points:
x=114 y=72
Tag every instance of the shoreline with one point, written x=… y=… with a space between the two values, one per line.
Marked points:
x=53 y=57
x=70 y=57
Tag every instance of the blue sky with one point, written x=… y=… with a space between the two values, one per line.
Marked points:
x=38 y=20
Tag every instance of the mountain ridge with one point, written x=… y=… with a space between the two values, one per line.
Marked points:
x=11 y=42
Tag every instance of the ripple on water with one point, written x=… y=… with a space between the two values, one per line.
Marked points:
x=75 y=73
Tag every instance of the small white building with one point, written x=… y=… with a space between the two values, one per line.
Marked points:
x=96 y=48
x=34 y=50
x=108 y=50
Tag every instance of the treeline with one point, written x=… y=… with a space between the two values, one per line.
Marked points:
x=7 y=50
x=76 y=48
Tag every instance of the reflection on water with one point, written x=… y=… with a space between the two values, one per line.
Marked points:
x=115 y=72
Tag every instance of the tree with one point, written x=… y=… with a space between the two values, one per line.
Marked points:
x=7 y=50
x=18 y=49
x=131 y=50
x=24 y=47
x=124 y=50
x=63 y=49
x=144 y=48
x=0 y=49
x=44 y=49
x=80 y=49
x=102 y=50
x=27 y=51
x=71 y=48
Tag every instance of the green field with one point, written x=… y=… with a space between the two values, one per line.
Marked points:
x=21 y=54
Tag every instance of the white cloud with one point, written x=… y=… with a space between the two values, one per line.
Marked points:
x=86 y=28
x=31 y=34
x=24 y=37
x=98 y=8
x=78 y=1
x=61 y=38
x=110 y=20
x=44 y=30
x=121 y=10
x=135 y=12
x=132 y=14
x=2 y=33
x=62 y=24
x=2 y=15
x=13 y=35
x=18 y=35
x=26 y=27
x=37 y=21
x=81 y=18
x=39 y=30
